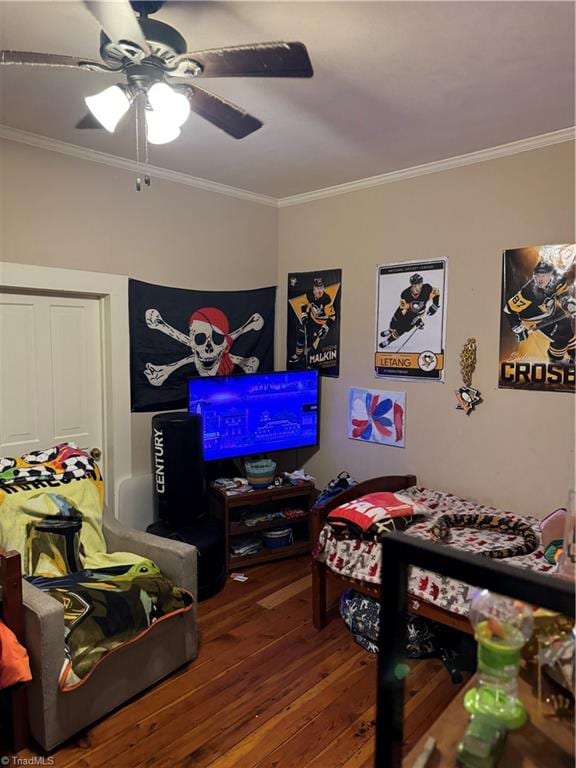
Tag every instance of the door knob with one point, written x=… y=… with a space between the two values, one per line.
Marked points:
x=96 y=454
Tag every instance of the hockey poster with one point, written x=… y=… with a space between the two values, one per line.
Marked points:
x=177 y=333
x=410 y=320
x=313 y=326
x=538 y=306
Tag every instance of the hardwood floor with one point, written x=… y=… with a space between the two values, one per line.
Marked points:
x=266 y=691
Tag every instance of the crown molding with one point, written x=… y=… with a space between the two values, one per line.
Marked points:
x=503 y=150
x=103 y=158
x=94 y=156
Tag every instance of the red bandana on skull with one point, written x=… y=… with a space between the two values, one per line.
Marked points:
x=219 y=323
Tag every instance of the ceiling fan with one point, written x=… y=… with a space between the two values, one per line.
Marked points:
x=154 y=58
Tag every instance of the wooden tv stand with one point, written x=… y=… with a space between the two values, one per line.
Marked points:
x=235 y=510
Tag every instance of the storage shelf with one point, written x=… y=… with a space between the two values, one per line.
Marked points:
x=261 y=495
x=265 y=555
x=276 y=498
x=237 y=529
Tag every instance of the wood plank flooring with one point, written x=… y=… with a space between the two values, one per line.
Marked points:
x=266 y=691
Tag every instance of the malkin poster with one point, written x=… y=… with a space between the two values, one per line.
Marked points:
x=410 y=320
x=313 y=327
x=177 y=333
x=538 y=307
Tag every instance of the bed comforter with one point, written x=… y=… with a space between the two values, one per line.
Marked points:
x=360 y=560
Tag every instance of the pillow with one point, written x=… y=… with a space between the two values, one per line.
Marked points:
x=374 y=514
x=552 y=526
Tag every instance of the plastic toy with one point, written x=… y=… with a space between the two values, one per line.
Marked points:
x=502 y=627
x=483 y=742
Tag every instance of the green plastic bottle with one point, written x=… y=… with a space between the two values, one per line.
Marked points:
x=502 y=627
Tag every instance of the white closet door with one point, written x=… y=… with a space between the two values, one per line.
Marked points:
x=50 y=372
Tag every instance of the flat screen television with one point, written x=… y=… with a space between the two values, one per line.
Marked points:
x=255 y=413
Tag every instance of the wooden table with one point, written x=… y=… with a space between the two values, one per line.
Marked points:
x=543 y=742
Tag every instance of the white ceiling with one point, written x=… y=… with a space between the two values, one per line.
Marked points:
x=396 y=84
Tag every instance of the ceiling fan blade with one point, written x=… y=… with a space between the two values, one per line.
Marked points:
x=30 y=59
x=118 y=21
x=228 y=117
x=88 y=121
x=258 y=60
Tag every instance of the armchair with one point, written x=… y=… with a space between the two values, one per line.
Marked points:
x=57 y=715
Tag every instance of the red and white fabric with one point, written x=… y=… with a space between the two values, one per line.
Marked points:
x=358 y=559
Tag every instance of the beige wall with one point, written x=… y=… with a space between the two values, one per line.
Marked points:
x=517 y=450
x=59 y=211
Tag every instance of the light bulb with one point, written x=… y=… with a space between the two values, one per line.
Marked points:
x=158 y=129
x=109 y=106
x=173 y=106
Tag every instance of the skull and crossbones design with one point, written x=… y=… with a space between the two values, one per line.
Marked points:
x=209 y=342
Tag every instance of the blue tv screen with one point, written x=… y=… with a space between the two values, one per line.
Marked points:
x=255 y=413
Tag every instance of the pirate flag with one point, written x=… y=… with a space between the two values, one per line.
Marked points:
x=176 y=333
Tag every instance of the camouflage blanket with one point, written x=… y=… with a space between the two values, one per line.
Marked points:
x=51 y=505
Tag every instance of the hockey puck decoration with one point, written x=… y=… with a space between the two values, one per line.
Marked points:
x=467 y=396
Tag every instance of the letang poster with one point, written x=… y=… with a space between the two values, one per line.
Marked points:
x=410 y=320
x=313 y=323
x=177 y=333
x=538 y=307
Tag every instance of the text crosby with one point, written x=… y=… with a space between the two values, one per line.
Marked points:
x=537 y=373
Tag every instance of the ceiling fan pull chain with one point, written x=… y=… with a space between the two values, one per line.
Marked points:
x=147 y=179
x=137 y=114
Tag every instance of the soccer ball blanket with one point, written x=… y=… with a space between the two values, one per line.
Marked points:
x=63 y=462
x=51 y=505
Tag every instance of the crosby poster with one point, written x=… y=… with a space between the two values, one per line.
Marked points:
x=410 y=320
x=176 y=333
x=538 y=306
x=313 y=327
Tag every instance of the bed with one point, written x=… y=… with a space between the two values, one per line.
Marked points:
x=357 y=563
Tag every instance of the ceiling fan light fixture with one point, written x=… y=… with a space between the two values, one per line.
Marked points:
x=109 y=106
x=159 y=130
x=173 y=106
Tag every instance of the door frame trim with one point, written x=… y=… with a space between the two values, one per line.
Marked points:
x=112 y=293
